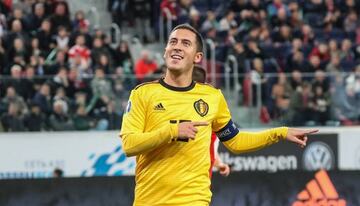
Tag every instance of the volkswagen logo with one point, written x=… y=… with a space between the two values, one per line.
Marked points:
x=318 y=155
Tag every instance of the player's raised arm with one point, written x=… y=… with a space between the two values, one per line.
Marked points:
x=241 y=141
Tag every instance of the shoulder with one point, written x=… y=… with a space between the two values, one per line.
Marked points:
x=147 y=85
x=208 y=87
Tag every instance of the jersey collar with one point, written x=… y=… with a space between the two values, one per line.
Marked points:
x=179 y=89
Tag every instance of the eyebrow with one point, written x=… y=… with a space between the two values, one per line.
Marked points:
x=182 y=40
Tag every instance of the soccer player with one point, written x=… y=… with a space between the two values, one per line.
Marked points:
x=199 y=75
x=168 y=125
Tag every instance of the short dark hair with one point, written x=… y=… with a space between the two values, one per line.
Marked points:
x=199 y=74
x=199 y=39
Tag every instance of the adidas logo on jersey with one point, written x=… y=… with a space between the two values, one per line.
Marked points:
x=318 y=192
x=159 y=107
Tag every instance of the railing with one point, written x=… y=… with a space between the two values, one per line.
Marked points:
x=115 y=34
x=212 y=59
x=168 y=15
x=93 y=12
x=228 y=73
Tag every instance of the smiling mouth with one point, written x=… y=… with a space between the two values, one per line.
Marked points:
x=177 y=57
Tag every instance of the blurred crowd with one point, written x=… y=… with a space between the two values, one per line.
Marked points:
x=297 y=59
x=57 y=72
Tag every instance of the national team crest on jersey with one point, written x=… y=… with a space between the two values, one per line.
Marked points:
x=201 y=107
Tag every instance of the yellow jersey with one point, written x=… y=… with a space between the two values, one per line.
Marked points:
x=169 y=170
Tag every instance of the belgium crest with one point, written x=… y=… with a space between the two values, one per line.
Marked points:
x=201 y=107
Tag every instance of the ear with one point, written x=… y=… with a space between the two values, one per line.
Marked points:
x=198 y=57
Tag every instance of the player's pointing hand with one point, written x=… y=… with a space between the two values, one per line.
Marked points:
x=188 y=130
x=299 y=136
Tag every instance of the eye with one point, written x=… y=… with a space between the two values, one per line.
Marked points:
x=186 y=43
x=172 y=42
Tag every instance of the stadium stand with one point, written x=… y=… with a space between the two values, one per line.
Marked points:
x=61 y=62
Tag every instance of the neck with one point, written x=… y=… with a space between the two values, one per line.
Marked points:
x=174 y=79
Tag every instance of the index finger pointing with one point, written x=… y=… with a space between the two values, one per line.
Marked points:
x=311 y=131
x=200 y=124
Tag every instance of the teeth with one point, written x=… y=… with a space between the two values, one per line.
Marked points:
x=176 y=57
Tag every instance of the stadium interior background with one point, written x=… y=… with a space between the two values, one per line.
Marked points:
x=67 y=67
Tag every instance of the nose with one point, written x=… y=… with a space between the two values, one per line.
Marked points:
x=177 y=49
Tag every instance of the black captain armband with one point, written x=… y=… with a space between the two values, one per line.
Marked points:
x=227 y=132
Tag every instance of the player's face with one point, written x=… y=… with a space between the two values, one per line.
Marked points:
x=180 y=52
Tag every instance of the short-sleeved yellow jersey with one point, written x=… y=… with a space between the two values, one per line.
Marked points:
x=170 y=170
x=177 y=172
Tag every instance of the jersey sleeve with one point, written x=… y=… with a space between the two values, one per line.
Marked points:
x=135 y=114
x=223 y=115
x=242 y=141
x=252 y=141
x=134 y=140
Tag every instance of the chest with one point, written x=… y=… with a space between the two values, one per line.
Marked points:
x=165 y=108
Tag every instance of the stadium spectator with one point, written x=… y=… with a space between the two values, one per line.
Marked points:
x=342 y=108
x=18 y=50
x=321 y=81
x=17 y=14
x=80 y=57
x=30 y=83
x=253 y=50
x=296 y=80
x=346 y=54
x=80 y=20
x=16 y=80
x=82 y=121
x=59 y=120
x=16 y=31
x=12 y=121
x=321 y=103
x=301 y=105
x=123 y=57
x=333 y=47
x=60 y=61
x=334 y=65
x=145 y=66
x=35 y=120
x=60 y=17
x=313 y=65
x=321 y=51
x=259 y=82
x=46 y=36
x=210 y=22
x=227 y=21
x=171 y=6
x=102 y=94
x=36 y=17
x=99 y=53
x=113 y=117
x=43 y=99
x=35 y=49
x=12 y=97
x=280 y=98
x=295 y=61
x=62 y=39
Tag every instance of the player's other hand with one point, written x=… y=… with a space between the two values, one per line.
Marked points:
x=299 y=136
x=224 y=169
x=188 y=130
